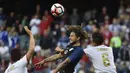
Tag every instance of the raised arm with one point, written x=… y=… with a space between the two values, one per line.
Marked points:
x=31 y=44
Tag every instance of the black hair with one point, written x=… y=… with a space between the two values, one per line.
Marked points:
x=15 y=55
x=79 y=32
x=97 y=38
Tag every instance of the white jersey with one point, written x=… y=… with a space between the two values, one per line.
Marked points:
x=102 y=59
x=18 y=67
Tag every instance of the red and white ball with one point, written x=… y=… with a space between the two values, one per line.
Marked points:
x=57 y=9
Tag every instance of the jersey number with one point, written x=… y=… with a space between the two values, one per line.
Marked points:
x=105 y=59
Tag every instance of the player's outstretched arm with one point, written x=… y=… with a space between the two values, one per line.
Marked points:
x=53 y=58
x=49 y=59
x=61 y=65
x=31 y=44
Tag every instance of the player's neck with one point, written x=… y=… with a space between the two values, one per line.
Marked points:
x=93 y=44
x=12 y=62
x=77 y=44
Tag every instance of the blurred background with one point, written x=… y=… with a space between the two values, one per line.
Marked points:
x=112 y=17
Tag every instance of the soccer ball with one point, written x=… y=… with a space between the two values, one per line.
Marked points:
x=57 y=9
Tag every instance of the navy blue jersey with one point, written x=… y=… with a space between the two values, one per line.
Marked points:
x=74 y=54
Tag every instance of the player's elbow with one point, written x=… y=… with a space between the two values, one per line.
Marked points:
x=29 y=55
x=60 y=55
x=32 y=45
x=67 y=60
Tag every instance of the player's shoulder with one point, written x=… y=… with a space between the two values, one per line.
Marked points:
x=77 y=49
x=104 y=46
x=89 y=48
x=96 y=47
x=22 y=62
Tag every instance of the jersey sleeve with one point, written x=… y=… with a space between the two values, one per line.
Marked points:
x=23 y=61
x=77 y=54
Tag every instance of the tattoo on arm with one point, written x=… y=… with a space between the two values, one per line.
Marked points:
x=53 y=58
x=63 y=64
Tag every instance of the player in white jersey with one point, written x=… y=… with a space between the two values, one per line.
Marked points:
x=101 y=55
x=18 y=64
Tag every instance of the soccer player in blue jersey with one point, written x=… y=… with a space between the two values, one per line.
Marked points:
x=71 y=54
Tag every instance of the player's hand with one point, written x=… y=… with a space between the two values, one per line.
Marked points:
x=55 y=71
x=58 y=49
x=27 y=30
x=40 y=64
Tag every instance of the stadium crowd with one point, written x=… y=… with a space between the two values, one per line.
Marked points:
x=51 y=31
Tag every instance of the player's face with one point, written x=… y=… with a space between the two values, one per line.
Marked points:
x=73 y=37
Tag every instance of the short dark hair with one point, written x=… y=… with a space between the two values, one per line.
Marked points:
x=79 y=32
x=15 y=55
x=97 y=38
